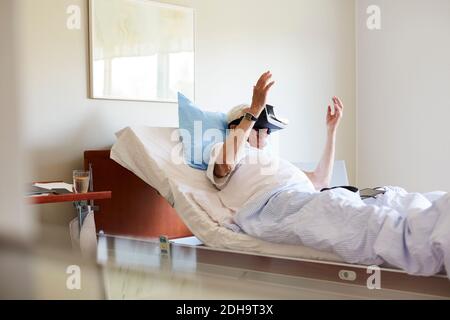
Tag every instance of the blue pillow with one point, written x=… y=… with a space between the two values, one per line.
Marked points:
x=199 y=132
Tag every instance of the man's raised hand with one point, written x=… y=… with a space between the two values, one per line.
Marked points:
x=260 y=92
x=333 y=121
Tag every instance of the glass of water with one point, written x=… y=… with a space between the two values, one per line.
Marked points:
x=81 y=181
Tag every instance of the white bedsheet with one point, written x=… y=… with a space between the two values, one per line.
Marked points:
x=405 y=230
x=152 y=154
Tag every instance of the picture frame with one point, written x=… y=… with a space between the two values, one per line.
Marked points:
x=140 y=50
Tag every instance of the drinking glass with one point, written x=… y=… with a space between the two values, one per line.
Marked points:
x=81 y=181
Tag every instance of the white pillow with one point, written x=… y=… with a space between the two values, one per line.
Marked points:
x=155 y=155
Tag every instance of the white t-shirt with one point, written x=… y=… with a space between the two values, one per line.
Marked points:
x=257 y=172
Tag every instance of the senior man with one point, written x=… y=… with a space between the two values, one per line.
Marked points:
x=409 y=231
x=239 y=165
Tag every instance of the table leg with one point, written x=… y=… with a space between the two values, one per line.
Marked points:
x=83 y=210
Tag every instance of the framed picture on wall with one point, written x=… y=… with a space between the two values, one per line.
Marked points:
x=140 y=50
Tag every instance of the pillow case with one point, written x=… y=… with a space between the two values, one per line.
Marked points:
x=199 y=132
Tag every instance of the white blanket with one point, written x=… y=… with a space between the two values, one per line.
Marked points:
x=406 y=230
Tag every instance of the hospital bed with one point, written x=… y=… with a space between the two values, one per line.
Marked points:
x=155 y=193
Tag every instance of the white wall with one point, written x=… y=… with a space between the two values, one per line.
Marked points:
x=60 y=122
x=403 y=95
x=308 y=44
x=15 y=221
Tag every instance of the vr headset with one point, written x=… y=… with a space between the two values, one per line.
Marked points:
x=267 y=120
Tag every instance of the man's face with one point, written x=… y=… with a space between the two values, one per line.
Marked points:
x=258 y=138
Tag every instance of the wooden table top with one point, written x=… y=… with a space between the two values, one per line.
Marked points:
x=68 y=197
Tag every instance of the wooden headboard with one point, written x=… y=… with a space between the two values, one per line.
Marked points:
x=136 y=209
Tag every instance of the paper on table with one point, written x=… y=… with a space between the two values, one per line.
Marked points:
x=56 y=185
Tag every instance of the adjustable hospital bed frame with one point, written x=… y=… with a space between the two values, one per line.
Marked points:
x=137 y=210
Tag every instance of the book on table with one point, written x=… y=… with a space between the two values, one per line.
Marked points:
x=48 y=188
